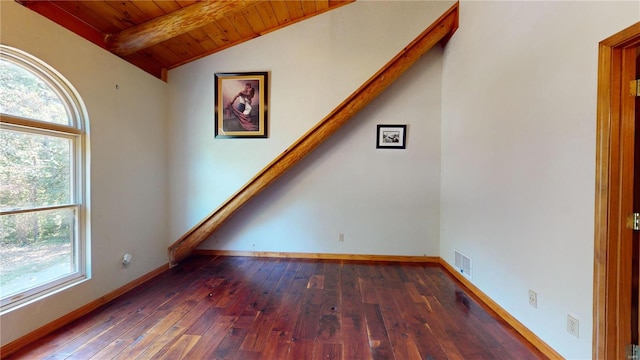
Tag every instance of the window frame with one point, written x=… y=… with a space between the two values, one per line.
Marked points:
x=76 y=131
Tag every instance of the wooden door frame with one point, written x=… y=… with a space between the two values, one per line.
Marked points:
x=614 y=190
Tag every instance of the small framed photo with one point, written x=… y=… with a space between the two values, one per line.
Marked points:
x=391 y=137
x=241 y=105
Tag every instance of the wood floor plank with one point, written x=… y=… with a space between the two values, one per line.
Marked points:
x=277 y=345
x=330 y=313
x=190 y=303
x=96 y=344
x=329 y=351
x=180 y=348
x=268 y=309
x=289 y=274
x=307 y=323
x=68 y=338
x=262 y=285
x=92 y=333
x=162 y=340
x=230 y=344
x=248 y=308
x=473 y=344
x=509 y=340
x=366 y=283
x=413 y=292
x=151 y=335
x=410 y=312
x=134 y=333
x=316 y=282
x=167 y=340
x=389 y=274
x=438 y=328
x=256 y=338
x=403 y=344
x=354 y=331
x=427 y=343
x=287 y=317
x=301 y=278
x=301 y=349
x=212 y=338
x=421 y=286
x=59 y=338
x=235 y=282
x=204 y=322
x=248 y=355
x=378 y=337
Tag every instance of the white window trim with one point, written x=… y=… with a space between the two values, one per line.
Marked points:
x=78 y=131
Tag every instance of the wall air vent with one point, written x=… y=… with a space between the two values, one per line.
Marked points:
x=463 y=264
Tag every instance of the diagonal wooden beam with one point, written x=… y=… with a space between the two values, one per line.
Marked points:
x=171 y=25
x=440 y=31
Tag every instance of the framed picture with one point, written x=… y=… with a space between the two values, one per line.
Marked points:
x=391 y=137
x=241 y=105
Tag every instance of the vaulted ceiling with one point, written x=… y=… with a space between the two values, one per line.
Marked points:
x=159 y=35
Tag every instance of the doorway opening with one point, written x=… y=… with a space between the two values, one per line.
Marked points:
x=615 y=267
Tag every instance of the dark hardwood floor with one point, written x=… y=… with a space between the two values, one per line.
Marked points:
x=288 y=309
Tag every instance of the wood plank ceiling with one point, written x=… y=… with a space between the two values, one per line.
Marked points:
x=158 y=35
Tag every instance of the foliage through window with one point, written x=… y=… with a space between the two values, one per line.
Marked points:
x=42 y=173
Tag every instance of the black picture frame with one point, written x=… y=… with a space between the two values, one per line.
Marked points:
x=391 y=137
x=241 y=105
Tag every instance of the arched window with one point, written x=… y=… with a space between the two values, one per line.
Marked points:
x=43 y=199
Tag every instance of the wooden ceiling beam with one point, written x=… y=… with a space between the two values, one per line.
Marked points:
x=171 y=25
x=158 y=44
x=439 y=32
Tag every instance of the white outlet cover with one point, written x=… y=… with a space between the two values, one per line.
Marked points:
x=533 y=299
x=573 y=326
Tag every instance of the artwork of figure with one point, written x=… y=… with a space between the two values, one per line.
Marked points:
x=241 y=105
x=243 y=110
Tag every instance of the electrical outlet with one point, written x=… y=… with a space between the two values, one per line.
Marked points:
x=341 y=237
x=533 y=299
x=573 y=326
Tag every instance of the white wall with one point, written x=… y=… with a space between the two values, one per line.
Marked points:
x=128 y=162
x=384 y=201
x=518 y=155
x=516 y=146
